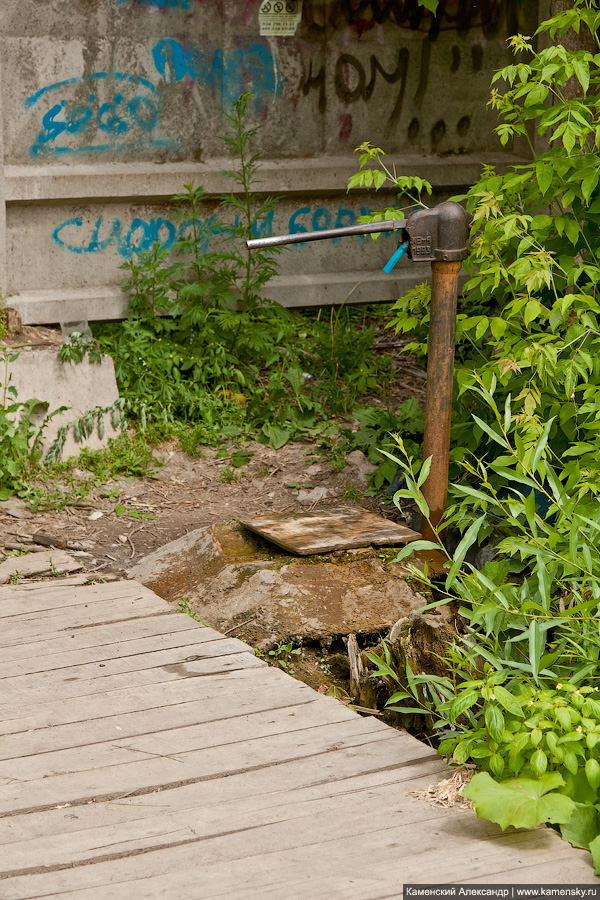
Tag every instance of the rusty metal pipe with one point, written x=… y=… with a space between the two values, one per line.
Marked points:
x=438 y=401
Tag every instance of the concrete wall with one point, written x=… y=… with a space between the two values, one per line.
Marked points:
x=109 y=106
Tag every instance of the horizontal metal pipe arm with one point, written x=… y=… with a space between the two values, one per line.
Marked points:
x=325 y=234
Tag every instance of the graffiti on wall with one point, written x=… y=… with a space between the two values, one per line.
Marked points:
x=127 y=238
x=102 y=112
x=490 y=16
x=355 y=80
x=230 y=72
x=124 y=113
x=116 y=111
x=352 y=84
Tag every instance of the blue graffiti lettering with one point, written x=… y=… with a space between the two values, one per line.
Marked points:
x=321 y=219
x=264 y=228
x=73 y=127
x=81 y=238
x=296 y=227
x=75 y=236
x=229 y=72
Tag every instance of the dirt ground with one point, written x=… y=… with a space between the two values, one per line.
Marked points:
x=185 y=493
x=119 y=524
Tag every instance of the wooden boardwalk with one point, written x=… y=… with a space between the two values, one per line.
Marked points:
x=143 y=755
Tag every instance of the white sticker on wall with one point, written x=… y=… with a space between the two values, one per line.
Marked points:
x=279 y=17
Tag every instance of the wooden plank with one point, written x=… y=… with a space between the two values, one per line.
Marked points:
x=15 y=599
x=349 y=770
x=177 y=744
x=88 y=633
x=34 y=690
x=166 y=826
x=321 y=531
x=312 y=849
x=134 y=650
x=115 y=663
x=131 y=769
x=125 y=727
x=147 y=773
x=44 y=715
x=35 y=626
x=43 y=563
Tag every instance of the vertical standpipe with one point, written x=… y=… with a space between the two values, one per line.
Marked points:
x=439 y=236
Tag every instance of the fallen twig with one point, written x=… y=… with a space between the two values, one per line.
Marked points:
x=240 y=625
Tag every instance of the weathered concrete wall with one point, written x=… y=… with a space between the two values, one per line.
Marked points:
x=110 y=106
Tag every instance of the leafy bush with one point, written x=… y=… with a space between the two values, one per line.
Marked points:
x=530 y=314
x=519 y=699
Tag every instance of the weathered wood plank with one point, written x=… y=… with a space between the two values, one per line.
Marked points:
x=86 y=685
x=177 y=715
x=89 y=634
x=132 y=770
x=188 y=641
x=167 y=825
x=44 y=715
x=145 y=772
x=182 y=661
x=32 y=627
x=17 y=600
x=178 y=742
x=350 y=770
x=310 y=848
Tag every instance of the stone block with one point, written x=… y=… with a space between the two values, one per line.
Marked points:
x=243 y=585
x=38 y=373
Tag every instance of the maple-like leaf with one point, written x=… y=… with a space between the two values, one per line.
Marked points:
x=521 y=802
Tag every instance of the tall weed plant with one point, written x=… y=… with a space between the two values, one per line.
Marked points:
x=203 y=346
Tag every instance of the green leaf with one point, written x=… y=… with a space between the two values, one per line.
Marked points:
x=506 y=699
x=592 y=773
x=491 y=433
x=494 y=721
x=536 y=647
x=463 y=702
x=544 y=175
x=521 y=802
x=467 y=541
x=424 y=473
x=277 y=436
x=532 y=311
x=582 y=827
x=413 y=546
x=541 y=444
x=538 y=762
x=119 y=510
x=413 y=710
x=594 y=848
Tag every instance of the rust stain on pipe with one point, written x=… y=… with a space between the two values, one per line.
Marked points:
x=438 y=403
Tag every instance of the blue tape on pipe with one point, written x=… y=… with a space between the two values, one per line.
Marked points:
x=397 y=256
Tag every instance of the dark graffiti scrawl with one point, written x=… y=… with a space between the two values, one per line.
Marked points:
x=491 y=16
